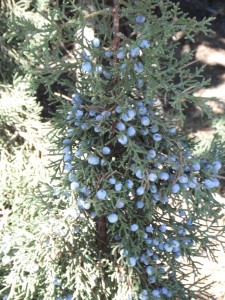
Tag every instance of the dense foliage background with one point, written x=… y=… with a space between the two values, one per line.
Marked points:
x=47 y=54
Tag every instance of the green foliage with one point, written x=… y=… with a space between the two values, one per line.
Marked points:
x=129 y=208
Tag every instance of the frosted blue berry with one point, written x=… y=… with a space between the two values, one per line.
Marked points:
x=145 y=121
x=120 y=203
x=108 y=54
x=149 y=270
x=120 y=55
x=138 y=67
x=216 y=182
x=93 y=160
x=122 y=139
x=98 y=69
x=68 y=167
x=66 y=149
x=112 y=218
x=129 y=184
x=140 y=190
x=112 y=180
x=106 y=150
x=144 y=131
x=106 y=73
x=131 y=131
x=128 y=115
x=164 y=176
x=152 y=177
x=175 y=188
x=168 y=247
x=162 y=228
x=67 y=157
x=183 y=179
x=118 y=109
x=149 y=229
x=172 y=130
x=192 y=183
x=135 y=52
x=134 y=227
x=96 y=42
x=157 y=137
x=140 y=204
x=140 y=83
x=142 y=110
x=156 y=293
x=154 y=128
x=153 y=189
x=139 y=173
x=144 y=44
x=140 y=19
x=66 y=141
x=120 y=126
x=132 y=261
x=196 y=166
x=216 y=166
x=97 y=129
x=101 y=195
x=74 y=185
x=86 y=66
x=152 y=153
x=118 y=186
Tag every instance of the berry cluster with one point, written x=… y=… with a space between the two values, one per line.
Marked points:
x=125 y=162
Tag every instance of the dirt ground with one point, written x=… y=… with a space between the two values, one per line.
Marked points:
x=210 y=51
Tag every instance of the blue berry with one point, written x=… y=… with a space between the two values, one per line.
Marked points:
x=120 y=126
x=154 y=128
x=216 y=166
x=120 y=55
x=131 y=131
x=74 y=185
x=106 y=150
x=175 y=188
x=140 y=19
x=132 y=261
x=145 y=121
x=134 y=227
x=122 y=139
x=66 y=149
x=196 y=166
x=96 y=42
x=140 y=204
x=162 y=228
x=68 y=167
x=149 y=229
x=157 y=137
x=118 y=109
x=135 y=52
x=112 y=180
x=120 y=203
x=118 y=186
x=183 y=179
x=140 y=190
x=129 y=184
x=112 y=218
x=86 y=66
x=152 y=177
x=93 y=160
x=139 y=174
x=138 y=67
x=149 y=270
x=67 y=157
x=164 y=176
x=144 y=44
x=101 y=194
x=168 y=247
x=144 y=131
x=108 y=54
x=128 y=115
